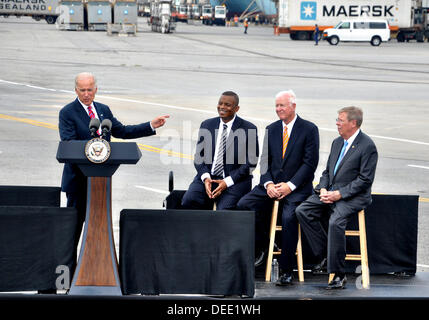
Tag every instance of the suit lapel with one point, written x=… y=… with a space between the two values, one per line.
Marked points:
x=80 y=111
x=99 y=112
x=236 y=125
x=350 y=152
x=292 y=138
x=277 y=134
x=214 y=130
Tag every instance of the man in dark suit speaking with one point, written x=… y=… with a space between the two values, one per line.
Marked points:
x=74 y=121
x=344 y=189
x=289 y=158
x=226 y=154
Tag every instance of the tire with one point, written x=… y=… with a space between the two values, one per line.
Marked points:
x=375 y=41
x=302 y=35
x=334 y=40
x=420 y=36
x=400 y=37
x=51 y=19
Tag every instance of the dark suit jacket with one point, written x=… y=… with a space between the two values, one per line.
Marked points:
x=300 y=161
x=356 y=172
x=74 y=125
x=242 y=149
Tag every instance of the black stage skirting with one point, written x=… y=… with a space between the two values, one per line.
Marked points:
x=30 y=196
x=34 y=241
x=187 y=251
x=391 y=227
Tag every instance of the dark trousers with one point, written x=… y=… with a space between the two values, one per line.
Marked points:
x=258 y=200
x=78 y=200
x=330 y=243
x=196 y=196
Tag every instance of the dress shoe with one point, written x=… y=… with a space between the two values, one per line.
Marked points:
x=285 y=280
x=339 y=282
x=320 y=268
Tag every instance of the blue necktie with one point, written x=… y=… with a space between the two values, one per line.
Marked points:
x=343 y=150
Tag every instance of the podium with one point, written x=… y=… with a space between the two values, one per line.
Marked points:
x=97 y=267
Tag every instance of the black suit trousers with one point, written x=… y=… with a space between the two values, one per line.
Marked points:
x=78 y=200
x=330 y=243
x=196 y=196
x=259 y=201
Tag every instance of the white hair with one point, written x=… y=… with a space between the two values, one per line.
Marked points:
x=85 y=75
x=289 y=93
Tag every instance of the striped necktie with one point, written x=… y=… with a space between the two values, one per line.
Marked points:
x=91 y=113
x=92 y=116
x=218 y=170
x=285 y=141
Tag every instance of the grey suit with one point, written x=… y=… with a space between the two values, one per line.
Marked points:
x=353 y=179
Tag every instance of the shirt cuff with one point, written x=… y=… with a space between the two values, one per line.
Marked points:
x=150 y=123
x=229 y=182
x=204 y=176
x=267 y=183
x=291 y=185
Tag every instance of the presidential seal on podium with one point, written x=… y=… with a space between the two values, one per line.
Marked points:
x=97 y=150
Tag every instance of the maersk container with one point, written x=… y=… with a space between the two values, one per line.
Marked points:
x=300 y=17
x=37 y=9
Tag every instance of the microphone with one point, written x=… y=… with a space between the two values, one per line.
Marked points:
x=106 y=126
x=94 y=124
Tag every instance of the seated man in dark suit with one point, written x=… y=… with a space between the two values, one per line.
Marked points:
x=227 y=152
x=344 y=189
x=74 y=121
x=289 y=158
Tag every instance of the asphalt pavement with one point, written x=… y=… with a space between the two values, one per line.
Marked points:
x=183 y=74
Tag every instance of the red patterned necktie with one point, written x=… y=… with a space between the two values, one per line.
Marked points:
x=92 y=116
x=91 y=113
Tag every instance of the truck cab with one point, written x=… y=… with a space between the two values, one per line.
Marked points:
x=220 y=15
x=373 y=31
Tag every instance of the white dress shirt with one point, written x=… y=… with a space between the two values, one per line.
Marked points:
x=228 y=180
x=289 y=132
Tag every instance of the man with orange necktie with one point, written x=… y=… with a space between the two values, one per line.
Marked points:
x=289 y=158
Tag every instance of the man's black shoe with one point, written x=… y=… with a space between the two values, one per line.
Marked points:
x=285 y=280
x=320 y=268
x=339 y=282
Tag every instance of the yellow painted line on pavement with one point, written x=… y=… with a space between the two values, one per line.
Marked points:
x=30 y=121
x=144 y=147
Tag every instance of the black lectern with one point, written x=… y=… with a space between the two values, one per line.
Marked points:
x=97 y=267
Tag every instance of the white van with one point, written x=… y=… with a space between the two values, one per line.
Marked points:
x=374 y=31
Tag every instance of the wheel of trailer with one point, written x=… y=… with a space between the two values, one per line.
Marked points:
x=51 y=19
x=302 y=35
x=400 y=37
x=420 y=36
x=334 y=40
x=375 y=41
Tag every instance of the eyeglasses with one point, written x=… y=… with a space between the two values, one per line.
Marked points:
x=339 y=120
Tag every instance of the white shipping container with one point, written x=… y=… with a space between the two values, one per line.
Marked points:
x=327 y=13
x=33 y=7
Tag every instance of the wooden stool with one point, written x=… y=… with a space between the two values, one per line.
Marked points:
x=273 y=228
x=363 y=256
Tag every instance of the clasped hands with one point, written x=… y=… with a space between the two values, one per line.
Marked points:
x=216 y=192
x=278 y=191
x=329 y=196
